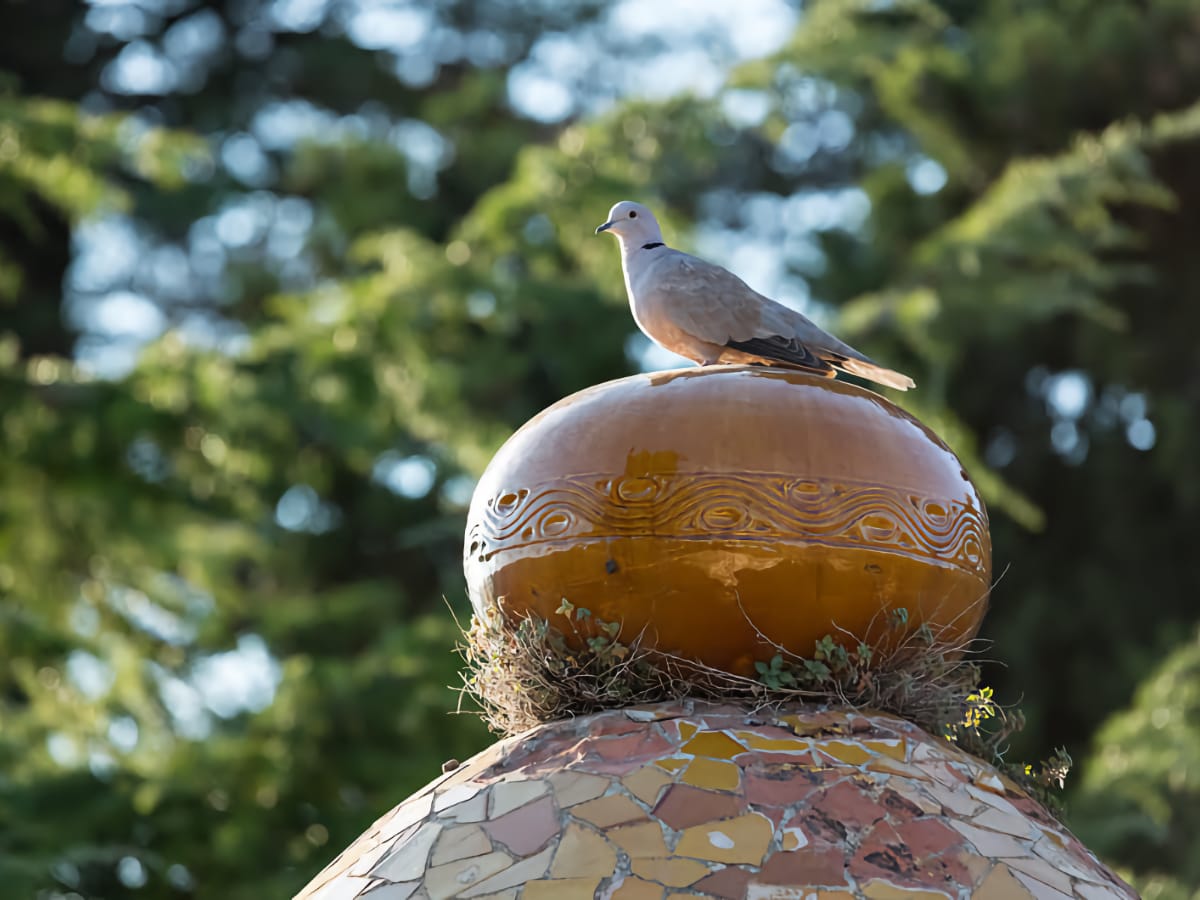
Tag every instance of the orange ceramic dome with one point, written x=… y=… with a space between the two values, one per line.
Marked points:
x=716 y=511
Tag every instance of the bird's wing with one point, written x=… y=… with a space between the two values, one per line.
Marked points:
x=704 y=300
x=711 y=303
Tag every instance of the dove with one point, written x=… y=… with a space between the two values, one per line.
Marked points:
x=708 y=315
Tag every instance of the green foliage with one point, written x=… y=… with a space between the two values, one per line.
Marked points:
x=1139 y=800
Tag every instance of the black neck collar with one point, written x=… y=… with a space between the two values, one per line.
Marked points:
x=652 y=245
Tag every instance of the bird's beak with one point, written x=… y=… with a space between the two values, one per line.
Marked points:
x=605 y=227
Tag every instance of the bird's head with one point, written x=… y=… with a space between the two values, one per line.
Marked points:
x=632 y=223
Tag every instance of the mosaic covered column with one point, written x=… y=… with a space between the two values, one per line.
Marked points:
x=707 y=520
x=702 y=800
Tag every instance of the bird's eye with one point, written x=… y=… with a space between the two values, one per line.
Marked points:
x=633 y=214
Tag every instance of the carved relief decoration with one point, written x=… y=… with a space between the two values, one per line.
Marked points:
x=740 y=507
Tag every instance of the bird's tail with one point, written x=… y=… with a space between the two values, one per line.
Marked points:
x=870 y=371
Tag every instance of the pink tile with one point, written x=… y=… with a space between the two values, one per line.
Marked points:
x=526 y=829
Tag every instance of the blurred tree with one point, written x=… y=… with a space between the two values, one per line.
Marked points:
x=1139 y=804
x=222 y=556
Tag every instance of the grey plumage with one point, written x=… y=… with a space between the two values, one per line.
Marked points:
x=706 y=313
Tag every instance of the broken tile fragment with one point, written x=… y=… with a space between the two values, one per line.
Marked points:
x=458 y=843
x=671 y=870
x=615 y=809
x=716 y=774
x=1000 y=884
x=989 y=843
x=1039 y=889
x=455 y=794
x=783 y=744
x=808 y=867
x=561 y=889
x=1013 y=824
x=1041 y=870
x=473 y=809
x=743 y=840
x=699 y=799
x=409 y=859
x=849 y=805
x=647 y=783
x=713 y=744
x=896 y=748
x=582 y=851
x=878 y=889
x=387 y=890
x=453 y=878
x=851 y=753
x=527 y=828
x=514 y=876
x=571 y=788
x=642 y=840
x=634 y=888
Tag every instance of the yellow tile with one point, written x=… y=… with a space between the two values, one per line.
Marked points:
x=714 y=774
x=896 y=748
x=460 y=842
x=714 y=745
x=686 y=730
x=615 y=809
x=828 y=723
x=794 y=839
x=876 y=889
x=777 y=745
x=561 y=889
x=583 y=852
x=633 y=888
x=741 y=840
x=673 y=764
x=577 y=787
x=671 y=871
x=647 y=783
x=1001 y=885
x=850 y=752
x=453 y=878
x=639 y=841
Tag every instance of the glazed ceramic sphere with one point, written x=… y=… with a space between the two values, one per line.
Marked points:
x=712 y=801
x=717 y=511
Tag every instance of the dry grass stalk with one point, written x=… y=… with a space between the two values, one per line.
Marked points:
x=527 y=674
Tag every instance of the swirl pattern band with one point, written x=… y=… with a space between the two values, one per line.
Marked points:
x=743 y=507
